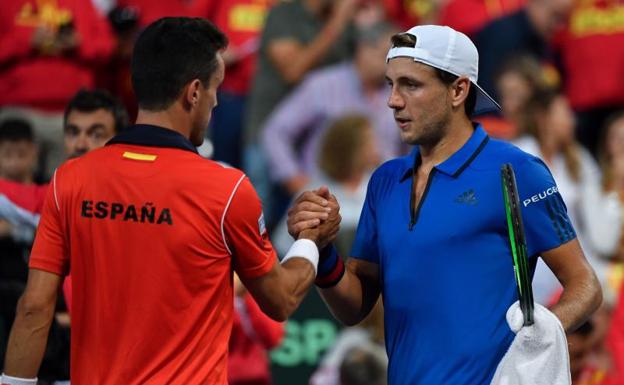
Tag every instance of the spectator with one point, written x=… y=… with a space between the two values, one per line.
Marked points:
x=364 y=342
x=528 y=31
x=18 y=152
x=253 y=334
x=150 y=11
x=242 y=22
x=516 y=83
x=611 y=156
x=48 y=51
x=407 y=14
x=91 y=118
x=549 y=128
x=592 y=53
x=361 y=367
x=347 y=155
x=18 y=157
x=470 y=16
x=612 y=161
x=302 y=118
x=298 y=37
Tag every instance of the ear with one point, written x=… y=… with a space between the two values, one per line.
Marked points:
x=459 y=91
x=192 y=94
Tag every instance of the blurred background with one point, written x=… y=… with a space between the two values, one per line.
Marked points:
x=304 y=104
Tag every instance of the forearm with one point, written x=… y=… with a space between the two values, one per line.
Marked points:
x=27 y=341
x=579 y=300
x=296 y=277
x=351 y=299
x=312 y=54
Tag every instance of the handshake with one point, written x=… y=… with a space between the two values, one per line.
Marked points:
x=315 y=215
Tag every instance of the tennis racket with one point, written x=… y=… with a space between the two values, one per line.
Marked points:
x=517 y=240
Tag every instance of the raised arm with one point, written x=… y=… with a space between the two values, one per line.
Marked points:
x=293 y=59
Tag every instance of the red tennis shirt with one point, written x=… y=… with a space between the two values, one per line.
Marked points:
x=151 y=232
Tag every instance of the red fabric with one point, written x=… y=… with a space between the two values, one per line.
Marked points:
x=48 y=82
x=401 y=13
x=242 y=21
x=593 y=54
x=150 y=10
x=248 y=361
x=498 y=127
x=469 y=16
x=615 y=340
x=154 y=295
x=27 y=196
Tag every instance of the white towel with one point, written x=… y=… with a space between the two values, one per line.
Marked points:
x=538 y=354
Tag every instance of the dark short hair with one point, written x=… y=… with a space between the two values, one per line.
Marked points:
x=16 y=130
x=341 y=145
x=404 y=39
x=170 y=53
x=92 y=100
x=361 y=367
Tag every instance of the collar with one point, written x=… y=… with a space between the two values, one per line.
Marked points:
x=153 y=136
x=457 y=162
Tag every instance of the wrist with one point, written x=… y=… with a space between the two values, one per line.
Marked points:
x=306 y=249
x=309 y=235
x=331 y=268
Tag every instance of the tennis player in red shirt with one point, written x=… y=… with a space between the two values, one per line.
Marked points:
x=152 y=233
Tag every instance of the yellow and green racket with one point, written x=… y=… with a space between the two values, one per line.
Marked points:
x=518 y=244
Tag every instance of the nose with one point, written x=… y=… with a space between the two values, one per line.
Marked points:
x=395 y=100
x=82 y=142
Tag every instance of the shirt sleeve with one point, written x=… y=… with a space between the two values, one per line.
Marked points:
x=544 y=214
x=365 y=244
x=279 y=24
x=50 y=251
x=245 y=233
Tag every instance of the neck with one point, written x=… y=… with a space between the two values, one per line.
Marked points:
x=458 y=132
x=169 y=118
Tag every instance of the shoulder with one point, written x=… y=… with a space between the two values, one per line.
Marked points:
x=392 y=170
x=498 y=152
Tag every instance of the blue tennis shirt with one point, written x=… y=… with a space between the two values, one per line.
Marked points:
x=446 y=273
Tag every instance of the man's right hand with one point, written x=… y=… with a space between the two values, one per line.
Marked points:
x=315 y=215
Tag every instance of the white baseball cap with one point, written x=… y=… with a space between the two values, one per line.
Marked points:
x=451 y=51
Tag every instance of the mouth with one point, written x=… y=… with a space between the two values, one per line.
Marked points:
x=402 y=122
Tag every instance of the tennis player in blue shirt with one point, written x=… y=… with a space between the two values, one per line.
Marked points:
x=433 y=239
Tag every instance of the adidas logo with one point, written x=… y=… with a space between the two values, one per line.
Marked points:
x=467 y=197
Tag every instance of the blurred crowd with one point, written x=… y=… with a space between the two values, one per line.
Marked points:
x=303 y=104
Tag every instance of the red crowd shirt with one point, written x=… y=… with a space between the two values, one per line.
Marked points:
x=593 y=54
x=253 y=335
x=242 y=21
x=469 y=16
x=151 y=232
x=29 y=78
x=150 y=11
x=30 y=197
